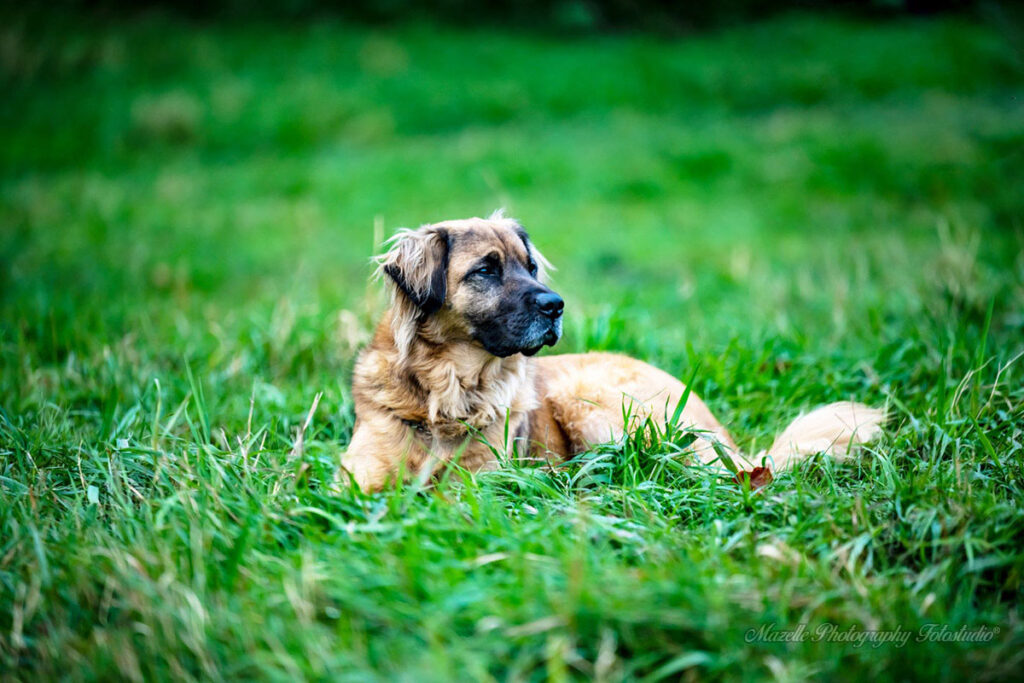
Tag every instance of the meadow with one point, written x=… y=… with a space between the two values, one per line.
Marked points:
x=792 y=212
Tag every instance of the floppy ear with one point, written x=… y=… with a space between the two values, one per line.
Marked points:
x=543 y=265
x=417 y=263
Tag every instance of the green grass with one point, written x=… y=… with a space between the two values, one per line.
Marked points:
x=804 y=210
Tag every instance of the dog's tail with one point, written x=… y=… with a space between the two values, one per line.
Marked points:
x=834 y=429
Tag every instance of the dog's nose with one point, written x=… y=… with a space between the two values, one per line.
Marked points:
x=550 y=304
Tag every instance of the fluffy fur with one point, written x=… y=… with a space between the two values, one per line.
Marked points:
x=447 y=375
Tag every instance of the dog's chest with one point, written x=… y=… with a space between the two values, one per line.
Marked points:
x=478 y=424
x=444 y=408
x=475 y=448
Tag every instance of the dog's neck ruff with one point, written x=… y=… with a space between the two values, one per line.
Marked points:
x=448 y=390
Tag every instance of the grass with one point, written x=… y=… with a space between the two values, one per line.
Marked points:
x=798 y=211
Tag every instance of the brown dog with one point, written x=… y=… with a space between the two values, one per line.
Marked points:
x=449 y=373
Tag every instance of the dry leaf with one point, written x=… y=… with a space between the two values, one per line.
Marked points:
x=758 y=477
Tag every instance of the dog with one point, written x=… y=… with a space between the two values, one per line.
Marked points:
x=450 y=373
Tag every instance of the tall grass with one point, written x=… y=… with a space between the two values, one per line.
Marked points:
x=790 y=213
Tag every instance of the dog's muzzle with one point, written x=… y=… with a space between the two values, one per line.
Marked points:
x=549 y=307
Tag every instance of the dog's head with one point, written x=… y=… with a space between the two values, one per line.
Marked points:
x=479 y=279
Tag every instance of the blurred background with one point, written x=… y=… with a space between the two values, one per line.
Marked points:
x=209 y=180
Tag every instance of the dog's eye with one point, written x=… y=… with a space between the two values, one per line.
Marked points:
x=531 y=265
x=487 y=271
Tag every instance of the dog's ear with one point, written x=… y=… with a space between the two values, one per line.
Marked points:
x=417 y=263
x=544 y=266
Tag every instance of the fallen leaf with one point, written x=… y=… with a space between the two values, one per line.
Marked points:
x=758 y=477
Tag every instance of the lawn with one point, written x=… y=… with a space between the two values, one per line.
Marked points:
x=793 y=212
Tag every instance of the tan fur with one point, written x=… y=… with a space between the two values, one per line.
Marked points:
x=833 y=429
x=586 y=395
x=427 y=393
x=417 y=252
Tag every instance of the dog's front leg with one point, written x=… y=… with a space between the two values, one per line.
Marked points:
x=374 y=455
